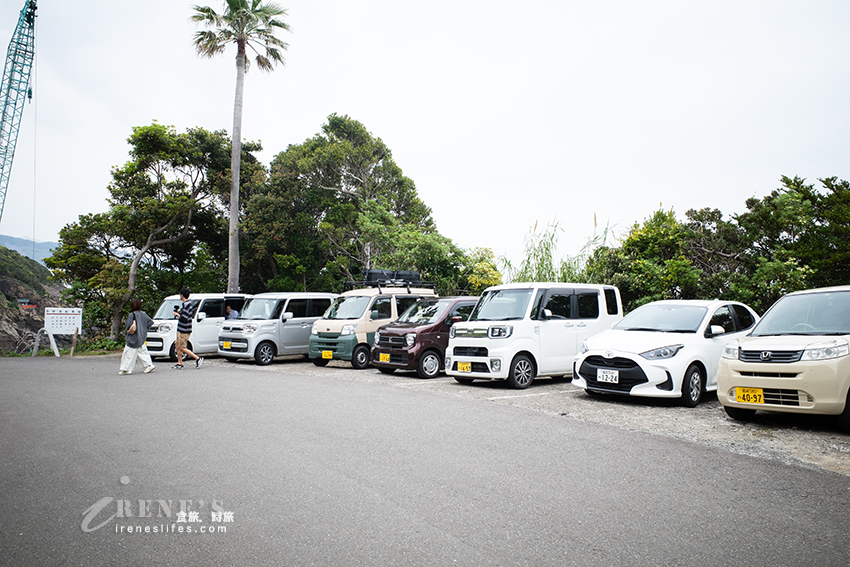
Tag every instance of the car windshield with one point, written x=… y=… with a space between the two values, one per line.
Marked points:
x=348 y=307
x=167 y=309
x=663 y=318
x=501 y=305
x=259 y=309
x=424 y=311
x=823 y=313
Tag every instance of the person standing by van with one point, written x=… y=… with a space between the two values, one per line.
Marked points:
x=137 y=333
x=184 y=329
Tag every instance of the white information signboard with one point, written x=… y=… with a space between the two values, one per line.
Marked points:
x=59 y=321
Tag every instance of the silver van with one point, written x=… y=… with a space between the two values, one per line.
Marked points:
x=272 y=324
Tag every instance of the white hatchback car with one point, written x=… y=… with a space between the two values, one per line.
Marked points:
x=664 y=349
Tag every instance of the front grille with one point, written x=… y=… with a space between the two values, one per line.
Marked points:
x=778 y=356
x=769 y=374
x=476 y=367
x=781 y=397
x=391 y=341
x=154 y=344
x=630 y=373
x=470 y=351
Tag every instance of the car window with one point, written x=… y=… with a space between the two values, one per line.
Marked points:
x=560 y=304
x=382 y=308
x=745 y=318
x=278 y=309
x=588 y=306
x=611 y=301
x=404 y=303
x=463 y=311
x=723 y=318
x=535 y=311
x=213 y=307
x=320 y=305
x=298 y=307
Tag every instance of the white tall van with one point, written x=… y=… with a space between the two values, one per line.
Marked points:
x=272 y=324
x=209 y=314
x=522 y=330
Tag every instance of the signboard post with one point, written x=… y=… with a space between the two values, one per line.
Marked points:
x=59 y=321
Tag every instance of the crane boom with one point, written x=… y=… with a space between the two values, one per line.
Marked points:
x=15 y=89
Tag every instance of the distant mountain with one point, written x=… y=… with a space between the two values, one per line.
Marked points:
x=25 y=247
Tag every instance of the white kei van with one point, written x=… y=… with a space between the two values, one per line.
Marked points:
x=209 y=314
x=272 y=324
x=522 y=330
x=347 y=330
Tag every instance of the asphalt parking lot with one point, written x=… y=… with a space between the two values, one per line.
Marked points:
x=811 y=441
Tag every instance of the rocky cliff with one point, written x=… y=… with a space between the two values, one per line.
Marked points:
x=17 y=321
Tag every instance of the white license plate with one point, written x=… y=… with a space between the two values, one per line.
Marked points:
x=610 y=376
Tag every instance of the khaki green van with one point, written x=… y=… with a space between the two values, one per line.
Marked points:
x=347 y=330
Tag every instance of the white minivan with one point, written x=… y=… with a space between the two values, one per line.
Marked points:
x=522 y=330
x=272 y=324
x=209 y=314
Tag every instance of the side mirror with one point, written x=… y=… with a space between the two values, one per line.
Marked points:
x=201 y=316
x=288 y=315
x=375 y=315
x=456 y=319
x=715 y=330
x=547 y=313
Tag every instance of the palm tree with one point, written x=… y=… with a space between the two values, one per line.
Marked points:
x=245 y=23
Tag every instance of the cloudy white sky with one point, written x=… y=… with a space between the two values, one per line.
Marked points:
x=505 y=114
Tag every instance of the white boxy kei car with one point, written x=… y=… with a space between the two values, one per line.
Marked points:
x=664 y=349
x=522 y=330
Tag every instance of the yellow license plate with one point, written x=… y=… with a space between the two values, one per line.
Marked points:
x=327 y=354
x=225 y=344
x=749 y=395
x=383 y=357
x=464 y=367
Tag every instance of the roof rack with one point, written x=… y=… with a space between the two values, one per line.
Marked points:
x=389 y=283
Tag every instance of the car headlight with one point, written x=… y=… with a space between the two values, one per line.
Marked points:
x=824 y=351
x=500 y=331
x=377 y=337
x=451 y=332
x=583 y=348
x=165 y=328
x=249 y=328
x=314 y=330
x=348 y=329
x=409 y=339
x=662 y=353
x=730 y=351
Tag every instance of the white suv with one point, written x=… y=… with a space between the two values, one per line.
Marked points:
x=522 y=330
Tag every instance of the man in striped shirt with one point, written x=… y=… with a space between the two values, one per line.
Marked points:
x=184 y=329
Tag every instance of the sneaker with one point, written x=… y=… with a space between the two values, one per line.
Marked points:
x=199 y=362
x=124 y=373
x=149 y=369
x=177 y=367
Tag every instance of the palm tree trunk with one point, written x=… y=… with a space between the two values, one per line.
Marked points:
x=235 y=163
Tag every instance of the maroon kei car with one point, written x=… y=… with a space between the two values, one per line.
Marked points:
x=417 y=340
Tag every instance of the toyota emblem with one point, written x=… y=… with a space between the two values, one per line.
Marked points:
x=608 y=354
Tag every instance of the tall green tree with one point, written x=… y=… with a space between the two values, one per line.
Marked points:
x=247 y=25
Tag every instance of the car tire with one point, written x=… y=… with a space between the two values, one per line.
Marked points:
x=173 y=353
x=521 y=373
x=464 y=381
x=693 y=385
x=264 y=353
x=386 y=370
x=739 y=414
x=360 y=357
x=320 y=361
x=429 y=364
x=844 y=417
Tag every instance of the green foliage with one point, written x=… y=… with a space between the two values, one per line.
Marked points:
x=23 y=269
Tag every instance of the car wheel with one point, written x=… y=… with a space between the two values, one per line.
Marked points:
x=521 y=374
x=692 y=386
x=429 y=365
x=386 y=370
x=360 y=357
x=320 y=361
x=844 y=417
x=739 y=414
x=264 y=353
x=464 y=381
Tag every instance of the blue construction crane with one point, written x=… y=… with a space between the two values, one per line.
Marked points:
x=16 y=81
